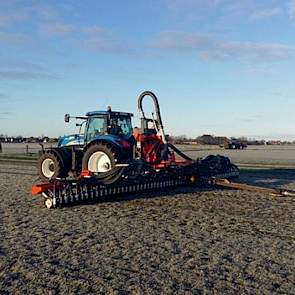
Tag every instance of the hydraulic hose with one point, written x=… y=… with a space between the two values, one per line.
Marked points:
x=157 y=110
x=159 y=120
x=111 y=176
x=180 y=153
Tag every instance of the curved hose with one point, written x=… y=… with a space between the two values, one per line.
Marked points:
x=180 y=153
x=156 y=104
x=159 y=120
x=157 y=110
x=110 y=176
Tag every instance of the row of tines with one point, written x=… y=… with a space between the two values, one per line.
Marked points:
x=77 y=193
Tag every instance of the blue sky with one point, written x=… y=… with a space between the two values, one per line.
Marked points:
x=221 y=67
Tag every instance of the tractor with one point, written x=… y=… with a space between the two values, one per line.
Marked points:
x=234 y=145
x=108 y=141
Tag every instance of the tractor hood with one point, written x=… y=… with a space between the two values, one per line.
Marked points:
x=123 y=141
x=73 y=139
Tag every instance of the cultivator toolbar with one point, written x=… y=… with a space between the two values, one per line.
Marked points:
x=61 y=193
x=89 y=187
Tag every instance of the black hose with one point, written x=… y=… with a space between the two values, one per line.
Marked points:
x=156 y=104
x=110 y=176
x=159 y=119
x=180 y=153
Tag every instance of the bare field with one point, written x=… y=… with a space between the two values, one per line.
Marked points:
x=184 y=241
x=274 y=155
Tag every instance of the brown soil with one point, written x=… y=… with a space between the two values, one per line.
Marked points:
x=184 y=241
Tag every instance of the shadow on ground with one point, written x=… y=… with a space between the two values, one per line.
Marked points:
x=271 y=178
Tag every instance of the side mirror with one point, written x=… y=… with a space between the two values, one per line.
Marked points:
x=67 y=118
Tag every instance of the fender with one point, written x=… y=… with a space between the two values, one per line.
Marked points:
x=116 y=141
x=104 y=141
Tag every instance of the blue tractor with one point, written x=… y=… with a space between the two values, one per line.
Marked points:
x=107 y=140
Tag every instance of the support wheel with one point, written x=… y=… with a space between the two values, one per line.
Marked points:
x=50 y=166
x=48 y=203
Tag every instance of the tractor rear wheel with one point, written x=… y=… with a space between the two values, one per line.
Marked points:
x=50 y=166
x=100 y=158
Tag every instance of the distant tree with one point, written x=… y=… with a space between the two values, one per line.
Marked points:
x=180 y=139
x=211 y=140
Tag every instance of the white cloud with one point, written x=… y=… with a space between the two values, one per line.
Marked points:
x=23 y=70
x=291 y=9
x=252 y=50
x=102 y=41
x=186 y=5
x=24 y=75
x=176 y=40
x=11 y=18
x=56 y=29
x=11 y=13
x=3 y=96
x=191 y=10
x=13 y=38
x=44 y=11
x=221 y=13
x=93 y=38
x=18 y=64
x=6 y=113
x=211 y=47
x=256 y=70
x=200 y=9
x=266 y=13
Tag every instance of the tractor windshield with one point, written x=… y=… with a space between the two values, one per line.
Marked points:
x=96 y=126
x=121 y=125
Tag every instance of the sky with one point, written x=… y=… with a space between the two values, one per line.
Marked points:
x=221 y=67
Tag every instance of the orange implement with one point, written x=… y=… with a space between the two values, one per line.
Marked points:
x=38 y=189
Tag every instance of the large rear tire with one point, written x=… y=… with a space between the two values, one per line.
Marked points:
x=50 y=166
x=100 y=158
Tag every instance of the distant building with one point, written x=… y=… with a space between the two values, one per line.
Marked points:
x=211 y=140
x=274 y=142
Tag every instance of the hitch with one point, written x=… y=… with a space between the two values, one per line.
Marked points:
x=225 y=183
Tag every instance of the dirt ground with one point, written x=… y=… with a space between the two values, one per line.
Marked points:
x=185 y=241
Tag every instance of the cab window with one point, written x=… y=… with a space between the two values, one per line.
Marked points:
x=96 y=126
x=123 y=123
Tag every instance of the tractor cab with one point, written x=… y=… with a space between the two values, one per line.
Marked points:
x=108 y=126
x=114 y=125
x=107 y=140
